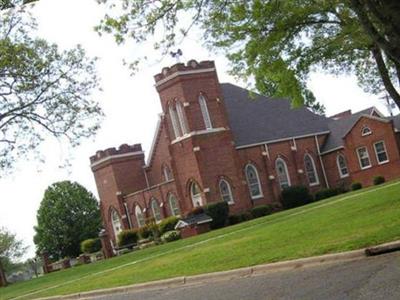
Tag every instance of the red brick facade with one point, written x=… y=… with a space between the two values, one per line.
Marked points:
x=207 y=155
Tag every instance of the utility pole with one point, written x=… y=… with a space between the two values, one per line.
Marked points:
x=388 y=103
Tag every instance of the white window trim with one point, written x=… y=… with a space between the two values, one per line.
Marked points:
x=231 y=201
x=176 y=203
x=314 y=169
x=167 y=173
x=359 y=158
x=205 y=113
x=174 y=120
x=198 y=196
x=113 y=221
x=181 y=118
x=286 y=170
x=376 y=153
x=138 y=211
x=261 y=195
x=368 y=133
x=152 y=209
x=340 y=169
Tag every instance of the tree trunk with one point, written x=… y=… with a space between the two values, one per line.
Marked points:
x=3 y=279
x=383 y=71
x=391 y=48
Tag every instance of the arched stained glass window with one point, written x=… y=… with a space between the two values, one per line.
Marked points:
x=156 y=210
x=226 y=191
x=195 y=194
x=253 y=181
x=139 y=216
x=311 y=171
x=282 y=172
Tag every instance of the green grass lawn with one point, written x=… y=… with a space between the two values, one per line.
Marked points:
x=346 y=222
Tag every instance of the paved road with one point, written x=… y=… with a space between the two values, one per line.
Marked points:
x=370 y=278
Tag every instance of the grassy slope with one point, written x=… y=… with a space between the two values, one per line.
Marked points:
x=338 y=224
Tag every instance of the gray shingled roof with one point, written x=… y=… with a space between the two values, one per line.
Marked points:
x=262 y=119
x=339 y=128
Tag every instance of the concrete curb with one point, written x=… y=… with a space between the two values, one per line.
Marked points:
x=384 y=248
x=237 y=273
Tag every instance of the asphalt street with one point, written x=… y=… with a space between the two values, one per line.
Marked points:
x=368 y=278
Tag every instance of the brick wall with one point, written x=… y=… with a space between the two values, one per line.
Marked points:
x=381 y=131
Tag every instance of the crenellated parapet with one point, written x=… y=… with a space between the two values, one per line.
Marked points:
x=191 y=67
x=123 y=150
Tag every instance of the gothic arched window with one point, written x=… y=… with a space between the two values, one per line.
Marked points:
x=155 y=208
x=226 y=191
x=195 y=194
x=139 y=216
x=173 y=204
x=175 y=121
x=253 y=181
x=282 y=172
x=311 y=171
x=204 y=112
x=116 y=222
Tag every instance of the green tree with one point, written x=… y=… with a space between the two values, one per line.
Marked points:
x=68 y=215
x=10 y=249
x=278 y=42
x=44 y=92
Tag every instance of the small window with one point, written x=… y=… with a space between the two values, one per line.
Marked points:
x=195 y=194
x=204 y=112
x=173 y=204
x=363 y=158
x=366 y=131
x=226 y=192
x=167 y=173
x=342 y=166
x=282 y=172
x=253 y=182
x=116 y=222
x=156 y=210
x=139 y=216
x=311 y=171
x=380 y=151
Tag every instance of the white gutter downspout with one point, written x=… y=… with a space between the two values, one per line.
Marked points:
x=322 y=163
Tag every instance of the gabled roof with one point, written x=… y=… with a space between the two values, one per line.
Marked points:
x=340 y=128
x=193 y=220
x=261 y=119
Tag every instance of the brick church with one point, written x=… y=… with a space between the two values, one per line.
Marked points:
x=215 y=142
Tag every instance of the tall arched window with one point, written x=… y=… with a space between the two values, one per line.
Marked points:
x=139 y=216
x=204 y=112
x=342 y=166
x=156 y=210
x=311 y=171
x=116 y=222
x=282 y=172
x=174 y=120
x=226 y=192
x=173 y=204
x=181 y=117
x=167 y=173
x=253 y=182
x=195 y=194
